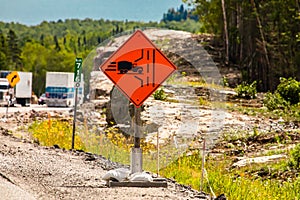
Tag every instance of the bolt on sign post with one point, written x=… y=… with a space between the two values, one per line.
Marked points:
x=137 y=69
x=77 y=79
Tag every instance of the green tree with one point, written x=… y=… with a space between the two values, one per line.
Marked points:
x=263 y=36
x=34 y=56
x=14 y=52
x=181 y=14
x=3 y=51
x=57 y=47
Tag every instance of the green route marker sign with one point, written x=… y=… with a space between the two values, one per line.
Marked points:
x=78 y=70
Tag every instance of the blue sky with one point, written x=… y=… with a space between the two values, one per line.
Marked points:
x=32 y=12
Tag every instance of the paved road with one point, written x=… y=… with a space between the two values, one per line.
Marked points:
x=9 y=191
x=31 y=107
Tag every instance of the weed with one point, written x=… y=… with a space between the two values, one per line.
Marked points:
x=55 y=132
x=289 y=90
x=295 y=157
x=203 y=102
x=247 y=91
x=225 y=82
x=275 y=101
x=160 y=94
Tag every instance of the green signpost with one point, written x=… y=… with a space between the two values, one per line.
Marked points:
x=77 y=80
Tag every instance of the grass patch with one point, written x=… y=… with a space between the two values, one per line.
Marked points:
x=291 y=114
x=235 y=183
x=173 y=80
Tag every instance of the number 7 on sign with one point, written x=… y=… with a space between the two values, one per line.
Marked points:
x=77 y=70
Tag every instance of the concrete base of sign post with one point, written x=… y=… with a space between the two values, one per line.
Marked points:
x=136 y=160
x=155 y=183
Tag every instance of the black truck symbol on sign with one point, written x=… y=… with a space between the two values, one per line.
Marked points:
x=124 y=66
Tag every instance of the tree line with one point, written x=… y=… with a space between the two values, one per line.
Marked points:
x=261 y=38
x=53 y=46
x=181 y=14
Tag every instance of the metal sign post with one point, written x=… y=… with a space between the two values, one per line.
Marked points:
x=136 y=151
x=8 y=97
x=74 y=119
x=6 y=113
x=157 y=144
x=77 y=79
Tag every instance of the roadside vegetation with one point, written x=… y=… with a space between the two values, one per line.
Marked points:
x=240 y=184
x=277 y=180
x=283 y=103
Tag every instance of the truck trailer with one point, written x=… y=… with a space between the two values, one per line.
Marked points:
x=23 y=89
x=20 y=94
x=60 y=91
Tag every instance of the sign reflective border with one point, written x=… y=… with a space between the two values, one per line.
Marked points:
x=138 y=68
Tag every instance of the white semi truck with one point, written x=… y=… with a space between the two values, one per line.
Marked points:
x=60 y=90
x=20 y=94
x=4 y=92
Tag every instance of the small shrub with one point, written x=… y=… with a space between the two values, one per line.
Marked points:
x=203 y=102
x=225 y=82
x=289 y=90
x=274 y=101
x=295 y=157
x=247 y=91
x=160 y=95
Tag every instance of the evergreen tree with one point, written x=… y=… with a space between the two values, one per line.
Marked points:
x=180 y=15
x=3 y=51
x=42 y=39
x=57 y=47
x=14 y=52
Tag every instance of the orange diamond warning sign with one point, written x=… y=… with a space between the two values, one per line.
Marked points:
x=138 y=68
